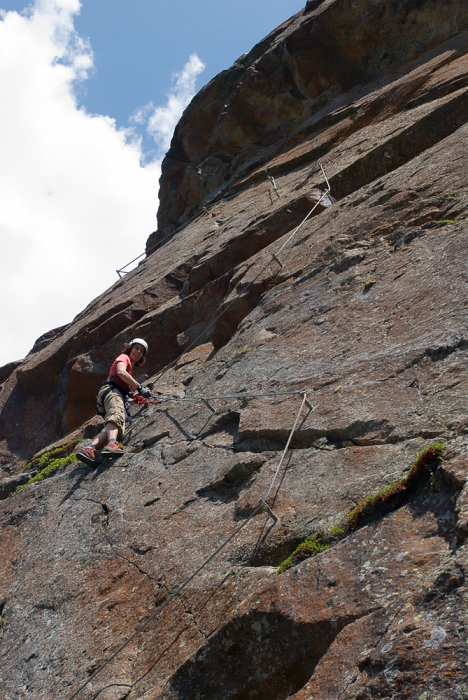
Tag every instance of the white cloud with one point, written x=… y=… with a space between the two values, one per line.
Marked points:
x=161 y=121
x=76 y=203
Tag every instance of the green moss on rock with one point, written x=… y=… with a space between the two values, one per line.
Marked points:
x=373 y=506
x=43 y=460
x=310 y=547
x=395 y=494
x=50 y=462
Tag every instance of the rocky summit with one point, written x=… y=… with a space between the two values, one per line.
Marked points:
x=290 y=517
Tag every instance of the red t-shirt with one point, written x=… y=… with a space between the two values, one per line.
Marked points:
x=113 y=372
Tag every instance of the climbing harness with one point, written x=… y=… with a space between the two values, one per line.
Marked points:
x=262 y=507
x=100 y=408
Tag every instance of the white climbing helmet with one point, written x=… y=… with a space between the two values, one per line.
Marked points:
x=141 y=342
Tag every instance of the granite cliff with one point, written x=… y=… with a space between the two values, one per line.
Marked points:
x=364 y=310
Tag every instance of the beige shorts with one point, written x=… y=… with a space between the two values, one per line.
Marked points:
x=113 y=405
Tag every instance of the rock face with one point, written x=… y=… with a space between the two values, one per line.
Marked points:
x=364 y=309
x=286 y=89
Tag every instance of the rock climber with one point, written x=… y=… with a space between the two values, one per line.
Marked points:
x=111 y=399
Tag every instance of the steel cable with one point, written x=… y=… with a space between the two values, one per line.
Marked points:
x=204 y=210
x=274 y=258
x=262 y=503
x=260 y=508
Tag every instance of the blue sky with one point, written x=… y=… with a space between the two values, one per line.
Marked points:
x=91 y=91
x=139 y=45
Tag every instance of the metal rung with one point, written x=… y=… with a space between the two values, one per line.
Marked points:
x=307 y=402
x=266 y=508
x=278 y=260
x=272 y=180
x=207 y=403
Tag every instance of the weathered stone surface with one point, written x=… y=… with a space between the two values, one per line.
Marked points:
x=367 y=314
x=9 y=484
x=8 y=369
x=462 y=514
x=456 y=471
x=283 y=632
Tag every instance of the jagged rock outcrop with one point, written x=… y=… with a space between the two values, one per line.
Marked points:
x=291 y=85
x=367 y=314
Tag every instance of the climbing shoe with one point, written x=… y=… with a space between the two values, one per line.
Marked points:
x=89 y=456
x=113 y=449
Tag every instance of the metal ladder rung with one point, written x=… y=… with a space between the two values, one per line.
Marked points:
x=266 y=508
